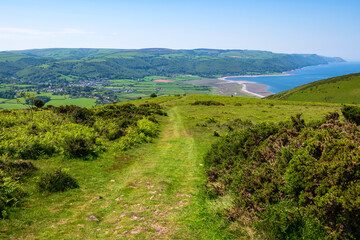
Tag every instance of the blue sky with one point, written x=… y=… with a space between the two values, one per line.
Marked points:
x=325 y=27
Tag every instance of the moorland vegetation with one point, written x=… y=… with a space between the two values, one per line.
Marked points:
x=273 y=170
x=67 y=132
x=291 y=180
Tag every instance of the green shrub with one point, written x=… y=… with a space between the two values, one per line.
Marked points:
x=332 y=115
x=351 y=113
x=294 y=179
x=149 y=128
x=67 y=109
x=216 y=134
x=144 y=131
x=283 y=220
x=34 y=149
x=81 y=115
x=10 y=194
x=79 y=147
x=238 y=124
x=57 y=181
x=17 y=169
x=38 y=103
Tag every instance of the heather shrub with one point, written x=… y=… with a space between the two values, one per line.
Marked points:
x=57 y=181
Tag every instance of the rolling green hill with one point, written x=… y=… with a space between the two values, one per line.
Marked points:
x=119 y=63
x=102 y=76
x=342 y=89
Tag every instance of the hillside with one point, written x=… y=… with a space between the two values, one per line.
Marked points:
x=342 y=89
x=42 y=65
x=142 y=170
x=102 y=76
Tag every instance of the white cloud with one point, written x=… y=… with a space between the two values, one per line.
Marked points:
x=66 y=31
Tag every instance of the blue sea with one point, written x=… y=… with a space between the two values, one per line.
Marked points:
x=303 y=76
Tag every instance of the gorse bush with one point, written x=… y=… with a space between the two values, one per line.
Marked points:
x=296 y=181
x=57 y=181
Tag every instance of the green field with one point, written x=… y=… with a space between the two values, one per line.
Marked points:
x=56 y=100
x=82 y=102
x=152 y=191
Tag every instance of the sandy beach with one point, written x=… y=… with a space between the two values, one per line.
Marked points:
x=227 y=87
x=253 y=88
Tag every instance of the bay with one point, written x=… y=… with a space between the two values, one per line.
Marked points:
x=292 y=79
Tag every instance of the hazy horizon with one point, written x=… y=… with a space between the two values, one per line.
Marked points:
x=326 y=28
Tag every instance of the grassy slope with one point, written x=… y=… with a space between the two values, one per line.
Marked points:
x=159 y=181
x=343 y=89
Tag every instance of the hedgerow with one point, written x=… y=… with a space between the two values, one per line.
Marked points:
x=294 y=180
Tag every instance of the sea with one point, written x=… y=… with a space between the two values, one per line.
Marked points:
x=289 y=80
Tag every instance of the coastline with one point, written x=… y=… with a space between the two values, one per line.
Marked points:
x=257 y=89
x=252 y=88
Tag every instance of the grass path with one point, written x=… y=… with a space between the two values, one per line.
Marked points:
x=151 y=192
x=143 y=195
x=161 y=184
